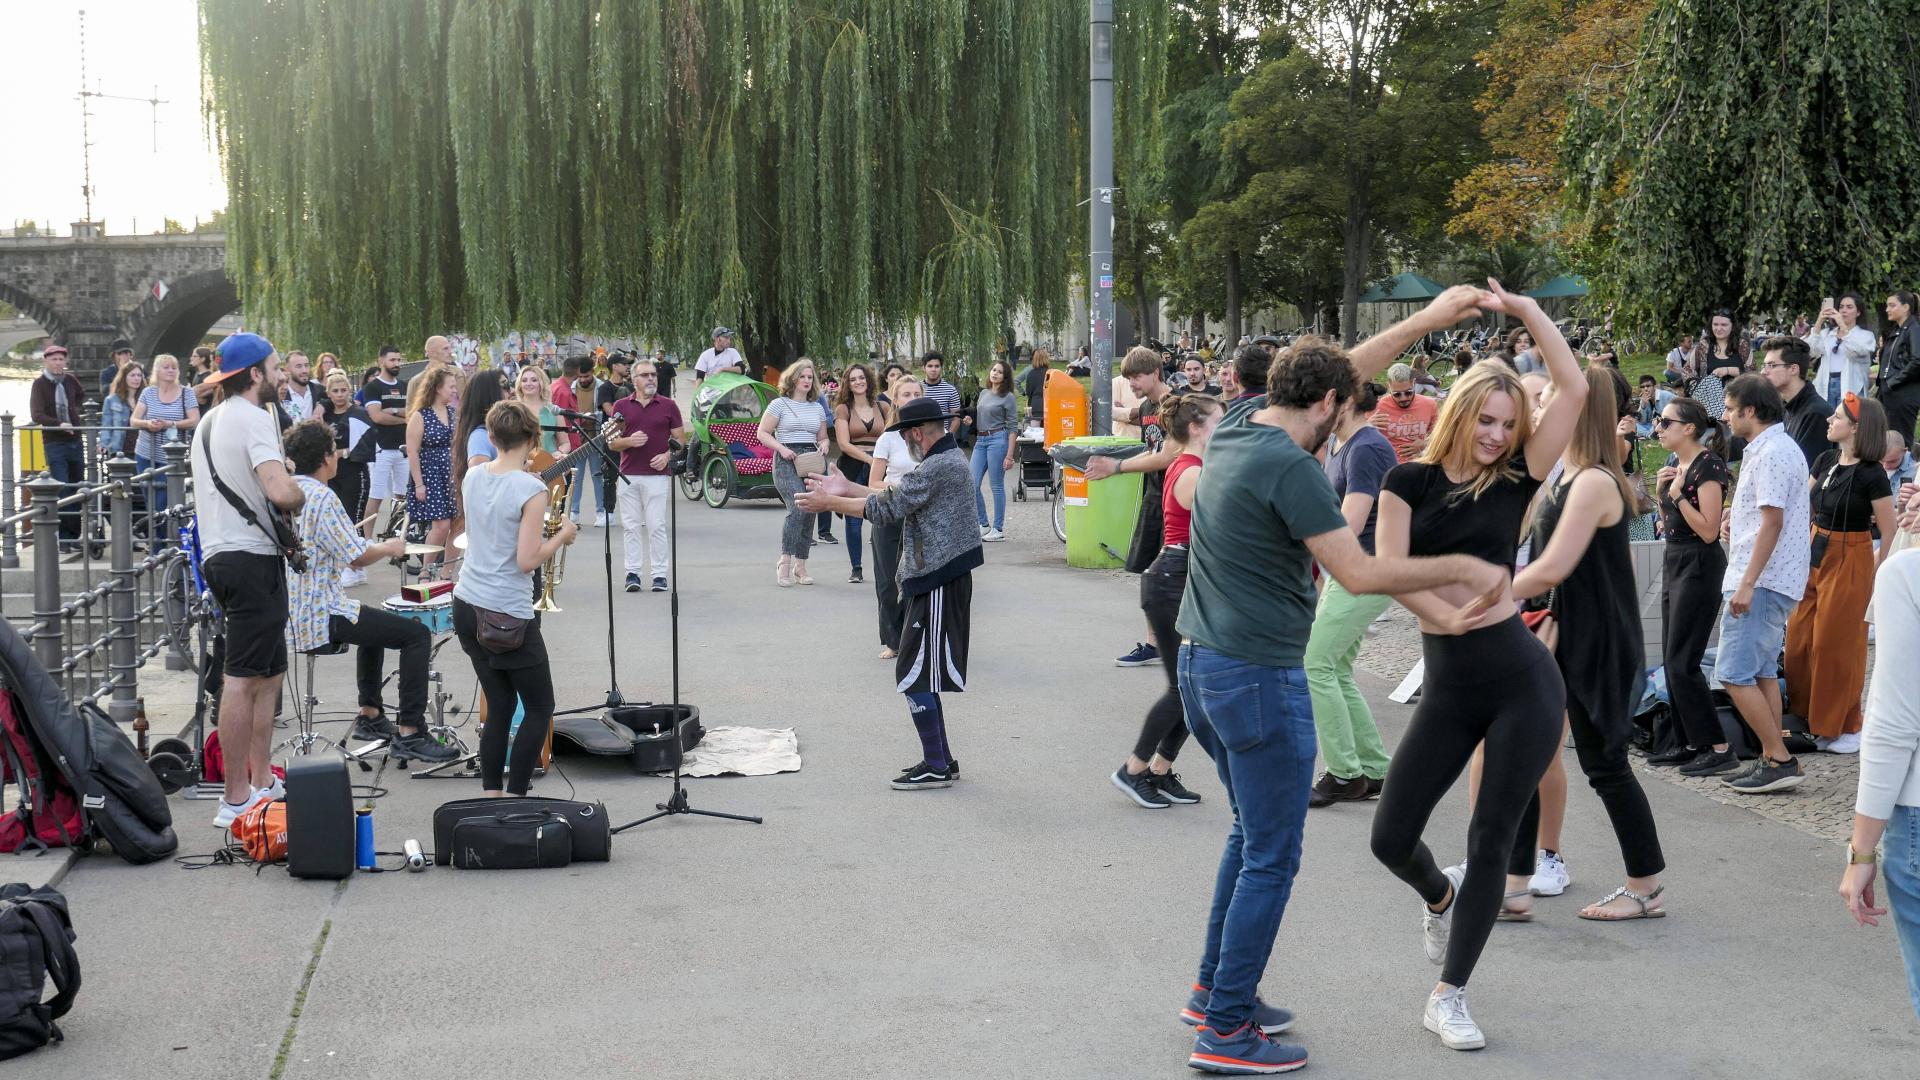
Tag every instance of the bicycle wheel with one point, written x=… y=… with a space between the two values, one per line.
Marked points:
x=184 y=611
x=1059 y=507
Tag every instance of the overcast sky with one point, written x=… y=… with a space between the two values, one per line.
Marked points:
x=132 y=45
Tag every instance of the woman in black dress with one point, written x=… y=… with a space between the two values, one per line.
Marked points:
x=1693 y=491
x=1593 y=627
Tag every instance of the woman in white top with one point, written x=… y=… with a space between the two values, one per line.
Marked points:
x=1888 y=803
x=793 y=425
x=891 y=461
x=1843 y=348
x=508 y=507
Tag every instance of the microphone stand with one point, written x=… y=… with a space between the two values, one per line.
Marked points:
x=610 y=479
x=677 y=802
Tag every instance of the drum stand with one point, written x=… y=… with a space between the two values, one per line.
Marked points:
x=468 y=763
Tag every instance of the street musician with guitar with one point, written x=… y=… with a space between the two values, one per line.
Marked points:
x=245 y=502
x=514 y=527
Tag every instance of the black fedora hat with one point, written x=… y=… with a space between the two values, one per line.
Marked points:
x=920 y=410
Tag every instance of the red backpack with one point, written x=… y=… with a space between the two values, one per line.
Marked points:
x=49 y=811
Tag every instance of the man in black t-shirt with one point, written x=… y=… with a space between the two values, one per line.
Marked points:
x=385 y=398
x=1785 y=364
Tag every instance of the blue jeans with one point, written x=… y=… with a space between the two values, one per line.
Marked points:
x=1256 y=723
x=989 y=457
x=1902 y=871
x=1750 y=644
x=66 y=462
x=587 y=475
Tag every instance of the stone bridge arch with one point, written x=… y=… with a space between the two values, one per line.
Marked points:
x=177 y=323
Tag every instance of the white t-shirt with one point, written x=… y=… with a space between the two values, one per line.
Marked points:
x=1773 y=472
x=239 y=436
x=301 y=406
x=709 y=360
x=899 y=457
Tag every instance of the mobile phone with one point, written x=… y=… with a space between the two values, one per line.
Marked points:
x=1826 y=302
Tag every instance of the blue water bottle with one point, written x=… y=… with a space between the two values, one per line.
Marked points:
x=363 y=837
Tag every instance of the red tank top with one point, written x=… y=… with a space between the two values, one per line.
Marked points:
x=1178 y=519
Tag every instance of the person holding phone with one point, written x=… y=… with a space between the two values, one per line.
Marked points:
x=1842 y=347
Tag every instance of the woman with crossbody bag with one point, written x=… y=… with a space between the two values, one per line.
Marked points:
x=493 y=612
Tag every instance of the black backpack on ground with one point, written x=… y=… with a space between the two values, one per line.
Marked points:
x=36 y=944
x=123 y=800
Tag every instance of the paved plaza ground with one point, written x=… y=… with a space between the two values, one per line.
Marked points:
x=1029 y=922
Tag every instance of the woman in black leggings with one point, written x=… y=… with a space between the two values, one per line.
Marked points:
x=1148 y=777
x=1487 y=679
x=1692 y=491
x=1592 y=627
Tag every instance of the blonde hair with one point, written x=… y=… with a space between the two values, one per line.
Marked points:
x=546 y=385
x=153 y=370
x=338 y=375
x=1451 y=445
x=790 y=378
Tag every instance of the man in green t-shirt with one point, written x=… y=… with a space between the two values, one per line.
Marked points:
x=1263 y=513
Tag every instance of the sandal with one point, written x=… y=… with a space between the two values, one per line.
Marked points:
x=1645 y=911
x=1509 y=913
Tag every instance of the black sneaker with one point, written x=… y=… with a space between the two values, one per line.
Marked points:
x=373 y=728
x=1330 y=789
x=1170 y=786
x=825 y=538
x=633 y=582
x=659 y=584
x=1679 y=755
x=421 y=746
x=856 y=577
x=1374 y=784
x=1139 y=787
x=1769 y=776
x=1711 y=763
x=923 y=776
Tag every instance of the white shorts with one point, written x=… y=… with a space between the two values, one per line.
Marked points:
x=388 y=475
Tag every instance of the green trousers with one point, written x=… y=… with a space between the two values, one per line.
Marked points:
x=1349 y=740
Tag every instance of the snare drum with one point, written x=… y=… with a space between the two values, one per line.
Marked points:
x=435 y=614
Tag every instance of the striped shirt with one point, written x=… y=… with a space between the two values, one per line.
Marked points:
x=796 y=421
x=149 y=445
x=947 y=394
x=332 y=544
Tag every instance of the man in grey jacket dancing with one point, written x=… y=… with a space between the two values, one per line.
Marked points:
x=939 y=547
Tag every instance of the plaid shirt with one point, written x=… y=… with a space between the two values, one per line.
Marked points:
x=332 y=545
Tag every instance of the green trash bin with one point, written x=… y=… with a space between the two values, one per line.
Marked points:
x=1100 y=515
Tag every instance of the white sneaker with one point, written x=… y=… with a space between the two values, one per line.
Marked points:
x=225 y=816
x=277 y=791
x=1550 y=876
x=1447 y=1017
x=1436 y=927
x=992 y=536
x=600 y=520
x=1844 y=744
x=985 y=529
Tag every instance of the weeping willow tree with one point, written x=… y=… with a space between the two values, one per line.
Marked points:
x=1757 y=156
x=808 y=170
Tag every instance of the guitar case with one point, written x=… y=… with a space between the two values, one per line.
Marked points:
x=662 y=734
x=594 y=735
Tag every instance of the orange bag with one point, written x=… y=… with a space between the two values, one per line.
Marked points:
x=262 y=831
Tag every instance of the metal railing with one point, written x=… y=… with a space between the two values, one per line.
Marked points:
x=138 y=604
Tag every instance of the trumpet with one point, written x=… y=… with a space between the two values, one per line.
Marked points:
x=556 y=567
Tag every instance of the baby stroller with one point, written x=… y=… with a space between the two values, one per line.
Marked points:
x=1036 y=465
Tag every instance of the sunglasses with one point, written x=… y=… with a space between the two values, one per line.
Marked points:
x=1664 y=422
x=1402 y=395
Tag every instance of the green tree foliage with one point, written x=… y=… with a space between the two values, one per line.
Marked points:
x=1335 y=152
x=1762 y=156
x=805 y=169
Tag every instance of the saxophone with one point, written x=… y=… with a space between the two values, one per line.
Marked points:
x=556 y=567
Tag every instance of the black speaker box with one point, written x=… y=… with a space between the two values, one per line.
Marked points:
x=319 y=817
